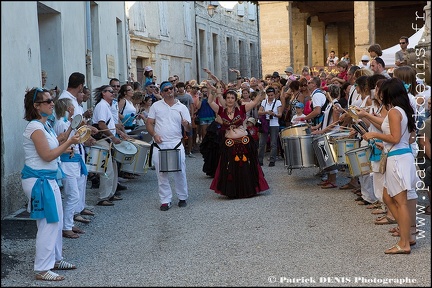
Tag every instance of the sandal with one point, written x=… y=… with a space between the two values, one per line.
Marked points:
x=329 y=185
x=49 y=276
x=77 y=230
x=323 y=183
x=87 y=212
x=384 y=220
x=374 y=205
x=81 y=219
x=379 y=211
x=70 y=234
x=398 y=250
x=427 y=210
x=63 y=265
x=105 y=203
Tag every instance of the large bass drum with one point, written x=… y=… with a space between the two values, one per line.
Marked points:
x=298 y=152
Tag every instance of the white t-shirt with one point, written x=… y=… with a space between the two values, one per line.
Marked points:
x=168 y=121
x=294 y=120
x=102 y=112
x=268 y=106
x=31 y=157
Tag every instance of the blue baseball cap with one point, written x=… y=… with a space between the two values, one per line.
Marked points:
x=299 y=105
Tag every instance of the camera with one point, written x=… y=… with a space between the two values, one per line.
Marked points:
x=271 y=117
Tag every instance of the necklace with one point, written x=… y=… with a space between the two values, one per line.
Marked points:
x=230 y=112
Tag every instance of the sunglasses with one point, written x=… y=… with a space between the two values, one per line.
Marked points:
x=166 y=89
x=402 y=43
x=111 y=91
x=48 y=101
x=118 y=86
x=304 y=85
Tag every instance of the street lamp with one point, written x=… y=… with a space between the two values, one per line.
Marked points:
x=211 y=9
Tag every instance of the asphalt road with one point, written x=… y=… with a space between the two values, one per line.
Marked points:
x=294 y=234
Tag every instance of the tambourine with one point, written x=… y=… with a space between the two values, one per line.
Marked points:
x=353 y=112
x=76 y=121
x=84 y=133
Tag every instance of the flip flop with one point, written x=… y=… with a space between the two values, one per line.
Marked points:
x=329 y=185
x=81 y=219
x=323 y=183
x=384 y=221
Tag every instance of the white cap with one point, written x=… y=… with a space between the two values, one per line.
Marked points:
x=365 y=58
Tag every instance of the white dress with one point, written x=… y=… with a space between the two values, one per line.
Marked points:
x=400 y=173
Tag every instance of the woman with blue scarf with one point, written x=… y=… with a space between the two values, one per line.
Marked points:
x=400 y=176
x=39 y=181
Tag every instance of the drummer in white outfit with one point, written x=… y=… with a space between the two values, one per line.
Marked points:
x=400 y=176
x=75 y=180
x=42 y=149
x=366 y=181
x=164 y=123
x=102 y=115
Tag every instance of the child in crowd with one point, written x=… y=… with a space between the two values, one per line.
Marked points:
x=299 y=114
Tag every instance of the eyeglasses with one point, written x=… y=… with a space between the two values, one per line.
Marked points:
x=152 y=87
x=118 y=86
x=169 y=88
x=304 y=85
x=402 y=43
x=111 y=91
x=48 y=101
x=172 y=81
x=365 y=61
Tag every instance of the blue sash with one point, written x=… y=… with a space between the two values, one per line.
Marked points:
x=399 y=152
x=65 y=157
x=43 y=203
x=376 y=153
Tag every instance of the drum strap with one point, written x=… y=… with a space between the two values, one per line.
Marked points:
x=154 y=144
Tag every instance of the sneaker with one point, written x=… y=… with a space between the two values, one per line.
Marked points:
x=271 y=164
x=190 y=155
x=182 y=203
x=165 y=206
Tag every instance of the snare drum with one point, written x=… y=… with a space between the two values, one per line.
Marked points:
x=343 y=146
x=97 y=159
x=295 y=130
x=138 y=166
x=298 y=152
x=169 y=160
x=325 y=153
x=124 y=152
x=358 y=161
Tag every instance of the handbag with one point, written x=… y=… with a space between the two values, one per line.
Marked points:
x=383 y=162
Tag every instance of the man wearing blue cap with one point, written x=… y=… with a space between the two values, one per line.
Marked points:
x=164 y=123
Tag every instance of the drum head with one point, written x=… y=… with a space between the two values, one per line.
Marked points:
x=84 y=133
x=76 y=121
x=126 y=147
x=352 y=112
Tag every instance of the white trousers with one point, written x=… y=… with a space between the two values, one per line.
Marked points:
x=180 y=182
x=49 y=241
